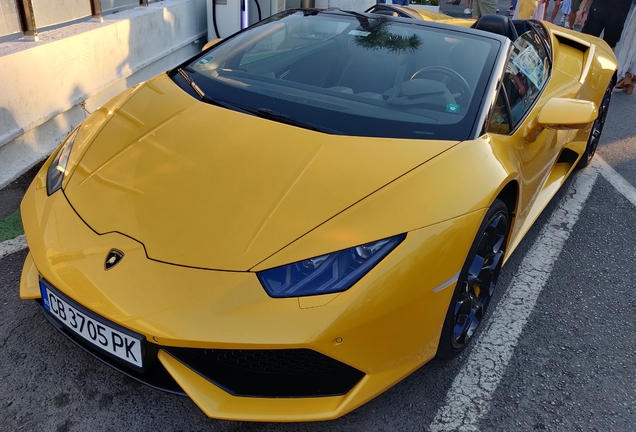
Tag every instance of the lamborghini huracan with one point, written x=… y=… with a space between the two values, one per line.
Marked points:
x=297 y=218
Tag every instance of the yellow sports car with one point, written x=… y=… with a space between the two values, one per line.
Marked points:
x=291 y=222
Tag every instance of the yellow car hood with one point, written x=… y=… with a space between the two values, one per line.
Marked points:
x=207 y=187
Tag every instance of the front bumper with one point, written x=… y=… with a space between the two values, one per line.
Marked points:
x=379 y=331
x=154 y=374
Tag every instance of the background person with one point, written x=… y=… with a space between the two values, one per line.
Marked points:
x=545 y=10
x=541 y=10
x=484 y=7
x=525 y=9
x=581 y=16
x=607 y=17
x=511 y=9
x=566 y=8
x=555 y=11
x=626 y=55
x=574 y=9
x=469 y=7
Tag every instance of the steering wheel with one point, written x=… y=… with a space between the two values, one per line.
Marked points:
x=450 y=75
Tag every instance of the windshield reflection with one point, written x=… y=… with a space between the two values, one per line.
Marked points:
x=379 y=36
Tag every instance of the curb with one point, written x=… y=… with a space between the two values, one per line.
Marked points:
x=11 y=246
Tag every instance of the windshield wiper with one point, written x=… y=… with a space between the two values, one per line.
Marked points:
x=208 y=99
x=261 y=112
x=284 y=118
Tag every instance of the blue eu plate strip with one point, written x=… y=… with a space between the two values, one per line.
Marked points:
x=45 y=297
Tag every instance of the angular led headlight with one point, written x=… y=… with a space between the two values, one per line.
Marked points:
x=334 y=272
x=57 y=170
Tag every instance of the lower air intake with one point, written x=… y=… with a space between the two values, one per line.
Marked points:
x=271 y=373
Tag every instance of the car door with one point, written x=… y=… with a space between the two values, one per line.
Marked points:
x=518 y=103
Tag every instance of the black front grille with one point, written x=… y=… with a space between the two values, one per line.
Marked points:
x=271 y=373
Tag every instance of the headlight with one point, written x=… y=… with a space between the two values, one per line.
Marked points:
x=57 y=170
x=334 y=272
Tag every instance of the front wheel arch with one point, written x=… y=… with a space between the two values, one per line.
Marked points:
x=476 y=283
x=508 y=196
x=597 y=128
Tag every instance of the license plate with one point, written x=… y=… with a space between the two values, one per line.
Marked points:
x=92 y=328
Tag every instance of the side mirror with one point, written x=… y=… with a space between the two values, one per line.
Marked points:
x=211 y=43
x=562 y=114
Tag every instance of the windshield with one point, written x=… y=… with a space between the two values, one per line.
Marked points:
x=352 y=74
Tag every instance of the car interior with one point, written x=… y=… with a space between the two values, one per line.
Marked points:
x=377 y=68
x=359 y=90
x=498 y=24
x=455 y=68
x=384 y=69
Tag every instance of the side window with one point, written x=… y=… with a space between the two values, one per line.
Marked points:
x=526 y=73
x=499 y=118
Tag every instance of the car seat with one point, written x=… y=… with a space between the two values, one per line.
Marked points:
x=498 y=24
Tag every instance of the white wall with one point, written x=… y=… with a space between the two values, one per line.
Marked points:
x=45 y=85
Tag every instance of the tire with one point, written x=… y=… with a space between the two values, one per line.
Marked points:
x=476 y=283
x=597 y=129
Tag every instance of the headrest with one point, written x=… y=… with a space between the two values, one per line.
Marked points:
x=498 y=24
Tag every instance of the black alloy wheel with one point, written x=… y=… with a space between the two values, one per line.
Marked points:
x=476 y=283
x=597 y=129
